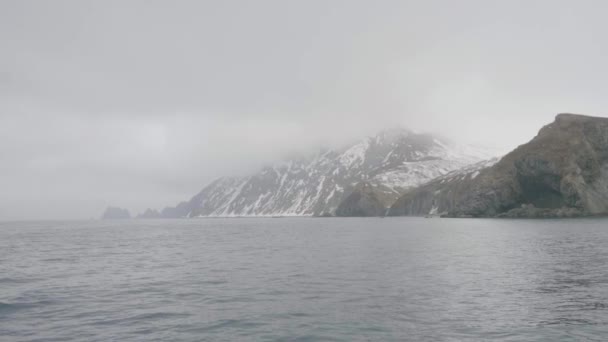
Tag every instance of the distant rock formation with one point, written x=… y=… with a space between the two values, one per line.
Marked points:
x=182 y=210
x=114 y=213
x=562 y=172
x=149 y=214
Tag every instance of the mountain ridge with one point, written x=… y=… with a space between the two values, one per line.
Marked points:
x=392 y=161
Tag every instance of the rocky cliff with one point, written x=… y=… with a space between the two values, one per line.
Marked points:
x=364 y=200
x=562 y=172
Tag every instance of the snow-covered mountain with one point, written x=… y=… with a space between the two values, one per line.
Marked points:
x=392 y=161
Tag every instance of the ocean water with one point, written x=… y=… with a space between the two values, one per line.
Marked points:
x=305 y=279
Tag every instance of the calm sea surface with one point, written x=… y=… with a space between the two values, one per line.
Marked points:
x=305 y=279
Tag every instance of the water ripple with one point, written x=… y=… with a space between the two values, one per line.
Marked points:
x=390 y=279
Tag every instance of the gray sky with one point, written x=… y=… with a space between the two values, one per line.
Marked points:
x=141 y=103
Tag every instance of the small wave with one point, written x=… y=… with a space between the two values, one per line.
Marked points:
x=12 y=307
x=310 y=338
x=224 y=324
x=214 y=282
x=235 y=299
x=160 y=315
x=57 y=260
x=135 y=291
x=5 y=307
x=16 y=280
x=300 y=314
x=142 y=317
x=567 y=321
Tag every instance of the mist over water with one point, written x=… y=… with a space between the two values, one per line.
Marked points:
x=304 y=279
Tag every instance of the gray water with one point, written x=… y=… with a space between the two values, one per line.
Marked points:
x=304 y=279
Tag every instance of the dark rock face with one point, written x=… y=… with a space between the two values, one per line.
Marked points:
x=530 y=211
x=364 y=200
x=114 y=213
x=441 y=194
x=562 y=172
x=180 y=211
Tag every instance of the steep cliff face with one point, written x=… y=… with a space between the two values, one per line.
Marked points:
x=441 y=194
x=364 y=200
x=390 y=162
x=562 y=172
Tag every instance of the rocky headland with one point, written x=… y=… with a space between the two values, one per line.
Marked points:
x=562 y=172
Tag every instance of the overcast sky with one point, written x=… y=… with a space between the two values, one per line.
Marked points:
x=141 y=103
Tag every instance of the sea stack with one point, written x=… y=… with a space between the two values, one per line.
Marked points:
x=114 y=213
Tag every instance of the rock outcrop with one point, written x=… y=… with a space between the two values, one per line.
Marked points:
x=364 y=200
x=562 y=172
x=114 y=213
